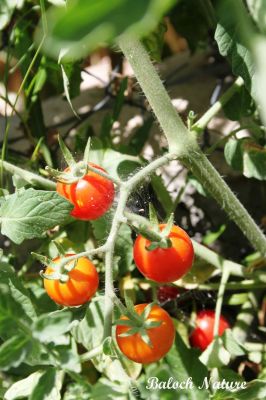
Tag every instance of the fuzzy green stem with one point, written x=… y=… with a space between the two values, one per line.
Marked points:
x=217 y=106
x=216 y=186
x=180 y=140
x=184 y=144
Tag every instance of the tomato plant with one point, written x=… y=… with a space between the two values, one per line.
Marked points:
x=202 y=335
x=92 y=195
x=161 y=337
x=82 y=283
x=165 y=265
x=159 y=100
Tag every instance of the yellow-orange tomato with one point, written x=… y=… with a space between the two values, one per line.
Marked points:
x=161 y=337
x=91 y=195
x=165 y=265
x=81 y=286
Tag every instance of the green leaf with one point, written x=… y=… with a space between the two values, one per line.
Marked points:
x=184 y=363
x=154 y=42
x=240 y=105
x=49 y=326
x=257 y=9
x=256 y=389
x=231 y=344
x=48 y=387
x=233 y=154
x=230 y=42
x=14 y=351
x=215 y=355
x=246 y=156
x=124 y=249
x=7 y=8
x=84 y=25
x=80 y=391
x=23 y=387
x=66 y=85
x=29 y=214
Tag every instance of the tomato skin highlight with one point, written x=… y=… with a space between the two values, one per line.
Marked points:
x=202 y=335
x=161 y=337
x=91 y=196
x=165 y=265
x=81 y=286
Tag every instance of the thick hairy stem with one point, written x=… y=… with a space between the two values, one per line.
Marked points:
x=179 y=138
x=183 y=142
x=216 y=186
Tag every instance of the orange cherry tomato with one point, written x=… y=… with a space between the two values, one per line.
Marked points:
x=202 y=335
x=165 y=265
x=92 y=195
x=81 y=286
x=161 y=337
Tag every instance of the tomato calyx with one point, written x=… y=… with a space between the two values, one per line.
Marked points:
x=158 y=238
x=138 y=323
x=60 y=269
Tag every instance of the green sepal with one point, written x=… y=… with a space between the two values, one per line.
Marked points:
x=59 y=247
x=63 y=177
x=145 y=337
x=169 y=225
x=87 y=152
x=66 y=153
x=43 y=259
x=146 y=312
x=130 y=332
x=124 y=322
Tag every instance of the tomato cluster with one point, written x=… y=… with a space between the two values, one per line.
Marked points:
x=164 y=261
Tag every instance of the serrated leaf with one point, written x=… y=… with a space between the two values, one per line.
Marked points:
x=49 y=326
x=14 y=351
x=29 y=214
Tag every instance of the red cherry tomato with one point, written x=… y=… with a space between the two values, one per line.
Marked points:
x=165 y=265
x=81 y=286
x=92 y=195
x=202 y=335
x=161 y=337
x=167 y=293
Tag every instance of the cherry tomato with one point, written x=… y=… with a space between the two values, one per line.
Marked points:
x=92 y=195
x=161 y=337
x=165 y=265
x=167 y=293
x=81 y=286
x=202 y=335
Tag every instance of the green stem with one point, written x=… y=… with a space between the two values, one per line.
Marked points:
x=30 y=177
x=183 y=143
x=179 y=138
x=217 y=106
x=219 y=303
x=216 y=186
x=110 y=246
